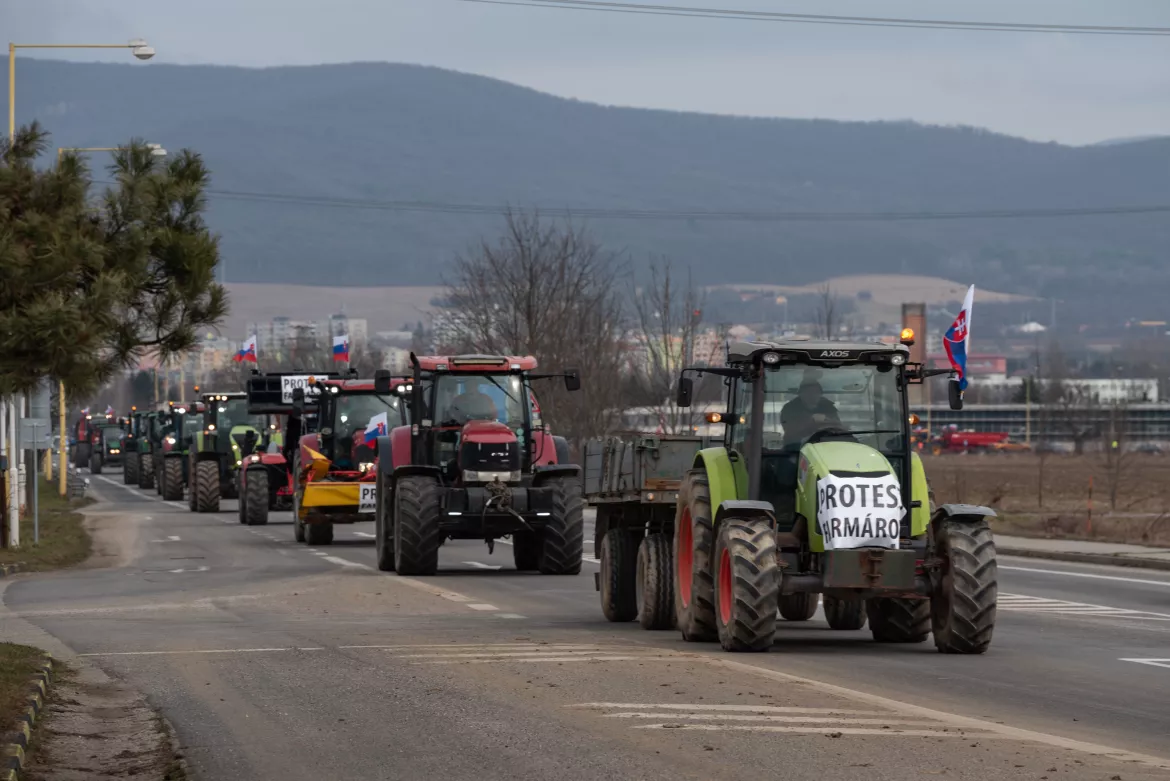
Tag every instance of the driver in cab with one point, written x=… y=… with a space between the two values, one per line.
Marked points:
x=808 y=413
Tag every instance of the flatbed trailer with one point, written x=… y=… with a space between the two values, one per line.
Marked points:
x=632 y=481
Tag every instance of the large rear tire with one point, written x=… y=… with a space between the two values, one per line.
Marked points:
x=798 y=607
x=562 y=541
x=129 y=468
x=95 y=464
x=746 y=585
x=618 y=558
x=254 y=497
x=962 y=607
x=694 y=547
x=655 y=583
x=383 y=528
x=145 y=471
x=205 y=486
x=172 y=479
x=844 y=614
x=416 y=525
x=898 y=620
x=526 y=551
x=320 y=533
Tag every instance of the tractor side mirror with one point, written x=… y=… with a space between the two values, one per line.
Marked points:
x=298 y=400
x=382 y=382
x=686 y=387
x=954 y=395
x=572 y=380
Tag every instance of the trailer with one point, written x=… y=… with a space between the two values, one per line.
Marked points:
x=632 y=482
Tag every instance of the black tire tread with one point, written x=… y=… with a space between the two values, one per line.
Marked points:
x=618 y=572
x=172 y=479
x=95 y=464
x=975 y=587
x=898 y=620
x=383 y=526
x=254 y=499
x=696 y=621
x=656 y=566
x=205 y=486
x=563 y=537
x=844 y=614
x=145 y=471
x=320 y=533
x=754 y=582
x=416 y=525
x=526 y=551
x=798 y=607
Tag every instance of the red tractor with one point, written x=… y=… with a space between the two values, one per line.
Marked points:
x=334 y=475
x=477 y=463
x=265 y=477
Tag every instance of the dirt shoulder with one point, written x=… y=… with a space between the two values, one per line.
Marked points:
x=18 y=664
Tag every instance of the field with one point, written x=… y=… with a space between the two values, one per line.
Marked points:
x=1121 y=499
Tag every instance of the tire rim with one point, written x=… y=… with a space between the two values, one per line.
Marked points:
x=725 y=587
x=686 y=558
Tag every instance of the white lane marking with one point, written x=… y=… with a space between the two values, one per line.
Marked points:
x=1152 y=662
x=482 y=606
x=456 y=646
x=345 y=562
x=765 y=718
x=1066 y=573
x=589 y=559
x=453 y=596
x=508 y=615
x=1021 y=603
x=171 y=538
x=203 y=651
x=893 y=732
x=364 y=534
x=557 y=659
x=725 y=708
x=504 y=655
x=481 y=565
x=950 y=719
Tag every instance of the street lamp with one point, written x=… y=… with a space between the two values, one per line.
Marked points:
x=137 y=47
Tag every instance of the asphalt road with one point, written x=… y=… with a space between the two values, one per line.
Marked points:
x=278 y=661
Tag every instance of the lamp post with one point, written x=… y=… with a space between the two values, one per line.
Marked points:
x=62 y=456
x=137 y=47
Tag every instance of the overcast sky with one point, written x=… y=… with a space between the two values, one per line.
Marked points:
x=1072 y=89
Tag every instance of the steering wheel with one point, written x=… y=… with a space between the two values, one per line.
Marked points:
x=820 y=435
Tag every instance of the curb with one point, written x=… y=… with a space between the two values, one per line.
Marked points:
x=17 y=745
x=1112 y=559
x=9 y=569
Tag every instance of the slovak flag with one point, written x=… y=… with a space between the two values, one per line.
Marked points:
x=341 y=348
x=85 y=411
x=376 y=427
x=109 y=410
x=247 y=352
x=958 y=336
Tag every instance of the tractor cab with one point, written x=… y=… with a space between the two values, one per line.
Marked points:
x=352 y=413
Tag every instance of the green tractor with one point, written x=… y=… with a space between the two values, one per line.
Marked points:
x=218 y=448
x=179 y=424
x=147 y=441
x=816 y=490
x=135 y=431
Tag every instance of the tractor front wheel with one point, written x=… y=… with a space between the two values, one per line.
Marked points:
x=746 y=584
x=654 y=581
x=962 y=606
x=145 y=471
x=844 y=614
x=383 y=529
x=205 y=487
x=254 y=498
x=129 y=468
x=320 y=533
x=95 y=464
x=172 y=479
x=694 y=546
x=618 y=576
x=416 y=525
x=562 y=541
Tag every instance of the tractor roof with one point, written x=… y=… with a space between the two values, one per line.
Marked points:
x=811 y=351
x=224 y=395
x=477 y=363
x=361 y=385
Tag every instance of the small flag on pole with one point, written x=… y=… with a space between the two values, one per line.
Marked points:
x=376 y=428
x=247 y=352
x=341 y=348
x=958 y=337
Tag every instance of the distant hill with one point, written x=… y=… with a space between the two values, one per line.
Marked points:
x=374 y=133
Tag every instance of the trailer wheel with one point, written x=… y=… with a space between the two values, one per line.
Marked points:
x=746 y=584
x=254 y=498
x=844 y=614
x=694 y=544
x=655 y=583
x=383 y=526
x=798 y=607
x=205 y=486
x=95 y=464
x=898 y=620
x=145 y=471
x=962 y=607
x=319 y=533
x=619 y=601
x=526 y=551
x=416 y=525
x=172 y=479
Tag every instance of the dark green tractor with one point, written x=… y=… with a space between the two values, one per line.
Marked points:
x=817 y=491
x=217 y=451
x=179 y=425
x=135 y=431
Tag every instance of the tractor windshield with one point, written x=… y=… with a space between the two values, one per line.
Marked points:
x=460 y=398
x=801 y=400
x=234 y=412
x=355 y=410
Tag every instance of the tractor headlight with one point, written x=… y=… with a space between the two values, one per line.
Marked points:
x=255 y=459
x=114 y=451
x=365 y=466
x=239 y=461
x=897 y=359
x=211 y=427
x=170 y=440
x=771 y=358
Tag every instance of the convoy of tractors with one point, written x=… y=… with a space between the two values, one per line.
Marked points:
x=814 y=496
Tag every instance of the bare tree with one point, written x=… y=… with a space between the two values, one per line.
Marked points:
x=668 y=313
x=831 y=322
x=545 y=288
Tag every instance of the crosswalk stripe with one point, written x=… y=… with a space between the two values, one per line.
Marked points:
x=1022 y=603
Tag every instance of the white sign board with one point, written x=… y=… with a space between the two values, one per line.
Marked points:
x=367 y=497
x=291 y=382
x=859 y=512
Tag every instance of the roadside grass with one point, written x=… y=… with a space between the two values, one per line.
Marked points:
x=64 y=542
x=17 y=665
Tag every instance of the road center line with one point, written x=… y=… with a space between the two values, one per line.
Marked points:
x=1094 y=576
x=203 y=651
